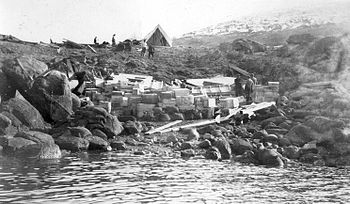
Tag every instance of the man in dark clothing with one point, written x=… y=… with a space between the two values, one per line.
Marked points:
x=238 y=86
x=249 y=88
x=95 y=41
x=113 y=40
x=79 y=90
x=151 y=51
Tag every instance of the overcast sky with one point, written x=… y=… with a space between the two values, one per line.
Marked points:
x=82 y=20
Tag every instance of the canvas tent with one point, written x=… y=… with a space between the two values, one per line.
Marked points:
x=158 y=37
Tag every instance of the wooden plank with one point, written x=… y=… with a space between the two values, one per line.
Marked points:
x=163 y=127
x=92 y=49
x=197 y=124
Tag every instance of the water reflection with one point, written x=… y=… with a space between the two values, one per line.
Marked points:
x=125 y=178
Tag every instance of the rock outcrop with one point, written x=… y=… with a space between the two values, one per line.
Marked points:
x=31 y=144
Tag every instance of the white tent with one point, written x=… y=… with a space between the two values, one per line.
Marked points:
x=158 y=37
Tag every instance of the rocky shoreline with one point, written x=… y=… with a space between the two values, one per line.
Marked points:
x=43 y=118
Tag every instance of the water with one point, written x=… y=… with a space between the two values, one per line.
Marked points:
x=124 y=178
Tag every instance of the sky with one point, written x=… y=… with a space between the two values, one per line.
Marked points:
x=82 y=20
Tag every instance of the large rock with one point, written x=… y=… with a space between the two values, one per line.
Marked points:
x=21 y=72
x=37 y=137
x=213 y=153
x=72 y=143
x=5 y=122
x=7 y=90
x=224 y=148
x=239 y=146
x=93 y=117
x=31 y=144
x=300 y=135
x=23 y=112
x=99 y=133
x=51 y=95
x=131 y=127
x=269 y=157
x=79 y=132
x=97 y=143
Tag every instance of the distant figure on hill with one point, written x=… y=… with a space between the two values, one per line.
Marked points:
x=143 y=48
x=238 y=86
x=51 y=41
x=150 y=51
x=113 y=40
x=95 y=40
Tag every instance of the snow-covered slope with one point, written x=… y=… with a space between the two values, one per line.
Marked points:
x=278 y=21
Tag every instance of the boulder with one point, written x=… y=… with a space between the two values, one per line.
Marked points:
x=76 y=103
x=37 y=137
x=271 y=138
x=291 y=152
x=187 y=153
x=31 y=144
x=224 y=148
x=21 y=72
x=247 y=157
x=72 y=143
x=99 y=133
x=239 y=146
x=21 y=112
x=213 y=153
x=131 y=127
x=177 y=116
x=260 y=134
x=112 y=127
x=164 y=118
x=7 y=90
x=97 y=143
x=300 y=135
x=172 y=138
x=186 y=145
x=5 y=122
x=40 y=151
x=118 y=145
x=192 y=134
x=206 y=129
x=276 y=120
x=51 y=95
x=79 y=132
x=269 y=157
x=310 y=158
x=171 y=110
x=205 y=144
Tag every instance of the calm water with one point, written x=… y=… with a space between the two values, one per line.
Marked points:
x=124 y=178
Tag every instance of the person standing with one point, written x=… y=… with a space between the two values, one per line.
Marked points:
x=249 y=86
x=150 y=51
x=255 y=82
x=143 y=48
x=95 y=40
x=238 y=86
x=113 y=40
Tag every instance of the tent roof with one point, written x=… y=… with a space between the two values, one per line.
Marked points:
x=149 y=35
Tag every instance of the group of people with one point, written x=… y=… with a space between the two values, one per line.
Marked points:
x=145 y=47
x=249 y=88
x=113 y=40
